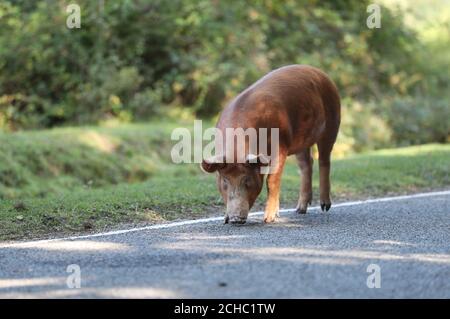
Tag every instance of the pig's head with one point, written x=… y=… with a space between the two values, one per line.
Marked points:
x=239 y=184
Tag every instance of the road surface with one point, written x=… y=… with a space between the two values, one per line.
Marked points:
x=402 y=245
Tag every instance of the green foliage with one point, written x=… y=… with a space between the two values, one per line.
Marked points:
x=416 y=120
x=132 y=59
x=361 y=129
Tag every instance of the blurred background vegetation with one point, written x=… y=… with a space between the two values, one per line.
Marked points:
x=143 y=60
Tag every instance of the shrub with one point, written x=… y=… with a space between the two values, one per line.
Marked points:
x=145 y=104
x=361 y=128
x=417 y=120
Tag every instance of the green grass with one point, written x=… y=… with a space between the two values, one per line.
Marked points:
x=76 y=180
x=39 y=163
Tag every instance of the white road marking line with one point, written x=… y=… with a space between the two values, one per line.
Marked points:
x=211 y=219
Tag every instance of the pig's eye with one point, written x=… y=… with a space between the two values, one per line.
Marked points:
x=247 y=182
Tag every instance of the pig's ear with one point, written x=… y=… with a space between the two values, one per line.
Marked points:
x=257 y=160
x=212 y=164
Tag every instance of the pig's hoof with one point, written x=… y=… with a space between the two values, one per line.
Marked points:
x=301 y=210
x=237 y=220
x=325 y=206
x=269 y=219
x=226 y=219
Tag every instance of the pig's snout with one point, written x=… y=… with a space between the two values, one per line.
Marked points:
x=237 y=207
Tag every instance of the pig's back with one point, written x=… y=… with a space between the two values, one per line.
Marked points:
x=297 y=99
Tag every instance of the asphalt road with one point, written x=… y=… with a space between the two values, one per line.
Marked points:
x=307 y=256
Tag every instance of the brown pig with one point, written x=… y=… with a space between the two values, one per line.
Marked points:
x=303 y=104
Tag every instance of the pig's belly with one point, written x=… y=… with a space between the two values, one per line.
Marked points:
x=306 y=138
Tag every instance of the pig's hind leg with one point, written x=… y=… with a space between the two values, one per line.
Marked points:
x=305 y=162
x=325 y=145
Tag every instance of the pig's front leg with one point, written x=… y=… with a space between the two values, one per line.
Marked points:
x=273 y=189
